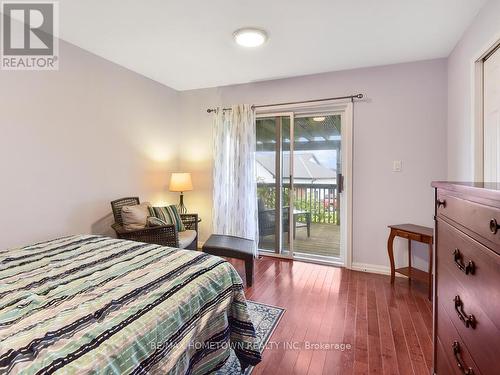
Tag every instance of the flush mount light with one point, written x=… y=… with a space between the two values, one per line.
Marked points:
x=318 y=119
x=250 y=37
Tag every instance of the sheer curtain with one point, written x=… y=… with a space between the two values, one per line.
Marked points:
x=235 y=188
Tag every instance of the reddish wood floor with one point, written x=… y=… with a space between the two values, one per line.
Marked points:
x=388 y=328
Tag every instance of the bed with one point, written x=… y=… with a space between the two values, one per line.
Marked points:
x=93 y=304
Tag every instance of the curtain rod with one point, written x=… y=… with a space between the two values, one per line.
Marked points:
x=352 y=97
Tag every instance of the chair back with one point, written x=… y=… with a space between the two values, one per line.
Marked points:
x=119 y=203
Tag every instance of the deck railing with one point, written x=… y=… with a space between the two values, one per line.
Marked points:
x=321 y=200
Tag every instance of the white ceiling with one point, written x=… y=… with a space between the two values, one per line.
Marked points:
x=187 y=44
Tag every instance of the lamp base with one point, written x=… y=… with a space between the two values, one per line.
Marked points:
x=181 y=208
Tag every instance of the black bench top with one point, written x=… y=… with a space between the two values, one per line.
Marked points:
x=230 y=246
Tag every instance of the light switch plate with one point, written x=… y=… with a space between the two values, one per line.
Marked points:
x=396 y=166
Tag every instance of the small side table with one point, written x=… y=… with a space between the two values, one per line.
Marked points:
x=412 y=233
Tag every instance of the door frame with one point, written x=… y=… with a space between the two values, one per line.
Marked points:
x=345 y=108
x=477 y=105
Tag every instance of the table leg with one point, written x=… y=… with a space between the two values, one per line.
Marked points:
x=249 y=272
x=390 y=250
x=430 y=271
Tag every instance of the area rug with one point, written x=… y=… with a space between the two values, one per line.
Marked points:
x=265 y=319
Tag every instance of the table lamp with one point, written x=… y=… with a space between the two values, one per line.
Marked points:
x=181 y=182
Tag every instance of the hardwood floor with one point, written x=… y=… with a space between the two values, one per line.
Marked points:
x=389 y=329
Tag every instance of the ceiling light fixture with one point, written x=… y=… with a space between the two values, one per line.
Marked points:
x=318 y=119
x=250 y=37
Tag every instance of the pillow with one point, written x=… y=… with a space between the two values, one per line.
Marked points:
x=153 y=221
x=168 y=214
x=135 y=217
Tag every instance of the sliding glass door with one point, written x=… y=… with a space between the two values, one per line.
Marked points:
x=274 y=181
x=299 y=184
x=317 y=185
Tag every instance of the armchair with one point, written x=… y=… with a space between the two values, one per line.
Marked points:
x=267 y=219
x=165 y=235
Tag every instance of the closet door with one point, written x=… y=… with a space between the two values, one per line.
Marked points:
x=491 y=113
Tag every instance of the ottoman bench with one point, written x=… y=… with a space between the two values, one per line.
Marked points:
x=232 y=247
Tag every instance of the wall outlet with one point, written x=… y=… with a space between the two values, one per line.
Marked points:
x=396 y=166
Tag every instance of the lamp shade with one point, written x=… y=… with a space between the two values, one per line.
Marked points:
x=180 y=182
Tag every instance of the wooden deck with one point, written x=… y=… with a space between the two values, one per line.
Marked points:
x=324 y=240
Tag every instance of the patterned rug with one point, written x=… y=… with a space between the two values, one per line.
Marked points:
x=265 y=318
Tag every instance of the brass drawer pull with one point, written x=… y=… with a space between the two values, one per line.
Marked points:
x=494 y=226
x=468 y=320
x=470 y=268
x=441 y=202
x=456 y=352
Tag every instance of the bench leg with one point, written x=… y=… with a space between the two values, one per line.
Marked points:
x=249 y=272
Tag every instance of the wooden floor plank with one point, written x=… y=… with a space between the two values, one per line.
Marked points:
x=318 y=358
x=414 y=348
x=388 y=328
x=424 y=339
x=361 y=332
x=374 y=349
x=388 y=351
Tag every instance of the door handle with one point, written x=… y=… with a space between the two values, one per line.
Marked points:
x=468 y=320
x=340 y=182
x=467 y=269
x=466 y=370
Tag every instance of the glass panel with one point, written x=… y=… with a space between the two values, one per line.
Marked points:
x=267 y=133
x=317 y=161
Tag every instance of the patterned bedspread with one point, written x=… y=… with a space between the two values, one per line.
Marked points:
x=92 y=304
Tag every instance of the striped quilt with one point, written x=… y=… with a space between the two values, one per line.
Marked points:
x=96 y=305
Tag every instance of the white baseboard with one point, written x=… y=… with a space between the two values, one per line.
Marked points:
x=372 y=268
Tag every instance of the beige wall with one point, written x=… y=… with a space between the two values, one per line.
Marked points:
x=73 y=140
x=402 y=118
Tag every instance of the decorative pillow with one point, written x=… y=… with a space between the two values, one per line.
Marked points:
x=135 y=217
x=168 y=214
x=153 y=221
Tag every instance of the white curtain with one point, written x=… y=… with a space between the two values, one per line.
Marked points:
x=235 y=189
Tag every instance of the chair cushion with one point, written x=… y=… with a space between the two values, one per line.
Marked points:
x=168 y=214
x=135 y=217
x=153 y=221
x=186 y=237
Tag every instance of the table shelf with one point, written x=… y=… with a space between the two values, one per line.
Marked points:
x=416 y=274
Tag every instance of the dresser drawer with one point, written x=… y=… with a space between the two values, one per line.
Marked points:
x=410 y=236
x=453 y=348
x=473 y=217
x=472 y=324
x=479 y=271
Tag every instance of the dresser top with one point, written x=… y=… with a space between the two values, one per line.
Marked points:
x=487 y=190
x=475 y=185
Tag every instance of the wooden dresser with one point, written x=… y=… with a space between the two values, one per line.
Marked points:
x=467 y=279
